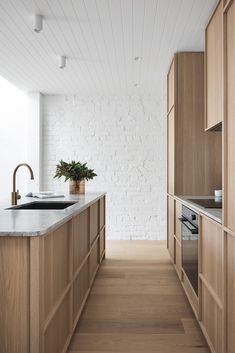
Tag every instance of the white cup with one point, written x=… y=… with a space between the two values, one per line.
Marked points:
x=218 y=193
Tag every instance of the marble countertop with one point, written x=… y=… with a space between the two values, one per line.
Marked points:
x=40 y=222
x=214 y=213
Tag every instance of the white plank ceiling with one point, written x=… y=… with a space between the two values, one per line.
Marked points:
x=100 y=38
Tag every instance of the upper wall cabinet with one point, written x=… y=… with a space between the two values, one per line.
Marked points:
x=194 y=156
x=229 y=159
x=214 y=69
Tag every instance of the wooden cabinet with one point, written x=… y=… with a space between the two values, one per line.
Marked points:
x=81 y=243
x=94 y=222
x=230 y=280
x=171 y=152
x=230 y=120
x=214 y=69
x=174 y=211
x=171 y=87
x=194 y=156
x=178 y=249
x=171 y=227
x=45 y=282
x=211 y=276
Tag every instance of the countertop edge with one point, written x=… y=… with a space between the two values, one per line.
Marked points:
x=200 y=210
x=66 y=215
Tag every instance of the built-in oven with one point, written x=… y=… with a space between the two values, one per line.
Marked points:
x=190 y=234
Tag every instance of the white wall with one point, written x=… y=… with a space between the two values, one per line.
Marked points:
x=124 y=140
x=13 y=138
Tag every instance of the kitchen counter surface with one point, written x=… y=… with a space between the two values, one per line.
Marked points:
x=214 y=213
x=40 y=222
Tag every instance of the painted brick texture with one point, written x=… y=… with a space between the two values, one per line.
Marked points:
x=124 y=140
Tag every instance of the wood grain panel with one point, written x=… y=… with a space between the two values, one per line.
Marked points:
x=178 y=214
x=212 y=255
x=80 y=288
x=214 y=68
x=56 y=266
x=102 y=212
x=102 y=242
x=80 y=238
x=171 y=226
x=230 y=124
x=178 y=258
x=198 y=155
x=59 y=330
x=94 y=221
x=93 y=260
x=192 y=297
x=171 y=152
x=211 y=322
x=171 y=86
x=14 y=295
x=230 y=280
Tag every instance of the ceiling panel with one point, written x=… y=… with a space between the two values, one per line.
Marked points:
x=112 y=46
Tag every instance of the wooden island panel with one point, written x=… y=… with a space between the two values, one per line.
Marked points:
x=46 y=281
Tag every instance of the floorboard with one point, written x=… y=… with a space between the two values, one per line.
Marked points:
x=137 y=305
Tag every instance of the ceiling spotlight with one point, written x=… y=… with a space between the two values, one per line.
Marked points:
x=38 y=23
x=136 y=58
x=136 y=85
x=62 y=62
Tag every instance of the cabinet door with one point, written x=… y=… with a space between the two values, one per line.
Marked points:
x=231 y=293
x=211 y=280
x=171 y=152
x=171 y=226
x=171 y=87
x=94 y=222
x=230 y=121
x=214 y=69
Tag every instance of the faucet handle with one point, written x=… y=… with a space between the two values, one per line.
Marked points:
x=18 y=195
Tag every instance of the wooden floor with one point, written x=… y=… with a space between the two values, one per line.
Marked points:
x=137 y=305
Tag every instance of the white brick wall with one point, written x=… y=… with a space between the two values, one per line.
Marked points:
x=124 y=140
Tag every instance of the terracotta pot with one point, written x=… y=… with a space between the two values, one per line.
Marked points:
x=77 y=187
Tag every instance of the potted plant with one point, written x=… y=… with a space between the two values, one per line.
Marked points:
x=76 y=173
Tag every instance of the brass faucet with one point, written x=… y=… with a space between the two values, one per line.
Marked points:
x=15 y=196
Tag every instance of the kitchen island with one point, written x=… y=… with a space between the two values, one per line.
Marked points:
x=49 y=259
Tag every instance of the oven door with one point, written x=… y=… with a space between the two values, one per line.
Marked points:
x=190 y=252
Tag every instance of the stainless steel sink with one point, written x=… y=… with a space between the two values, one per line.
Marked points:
x=43 y=205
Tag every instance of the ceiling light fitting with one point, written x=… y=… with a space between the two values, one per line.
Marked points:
x=62 y=62
x=38 y=23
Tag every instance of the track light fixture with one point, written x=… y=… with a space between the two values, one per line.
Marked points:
x=38 y=23
x=62 y=62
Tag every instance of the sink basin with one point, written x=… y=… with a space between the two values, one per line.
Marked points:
x=43 y=205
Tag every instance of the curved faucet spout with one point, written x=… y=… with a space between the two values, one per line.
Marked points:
x=15 y=194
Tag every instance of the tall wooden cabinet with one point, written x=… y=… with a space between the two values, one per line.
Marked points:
x=230 y=118
x=194 y=156
x=229 y=168
x=214 y=69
